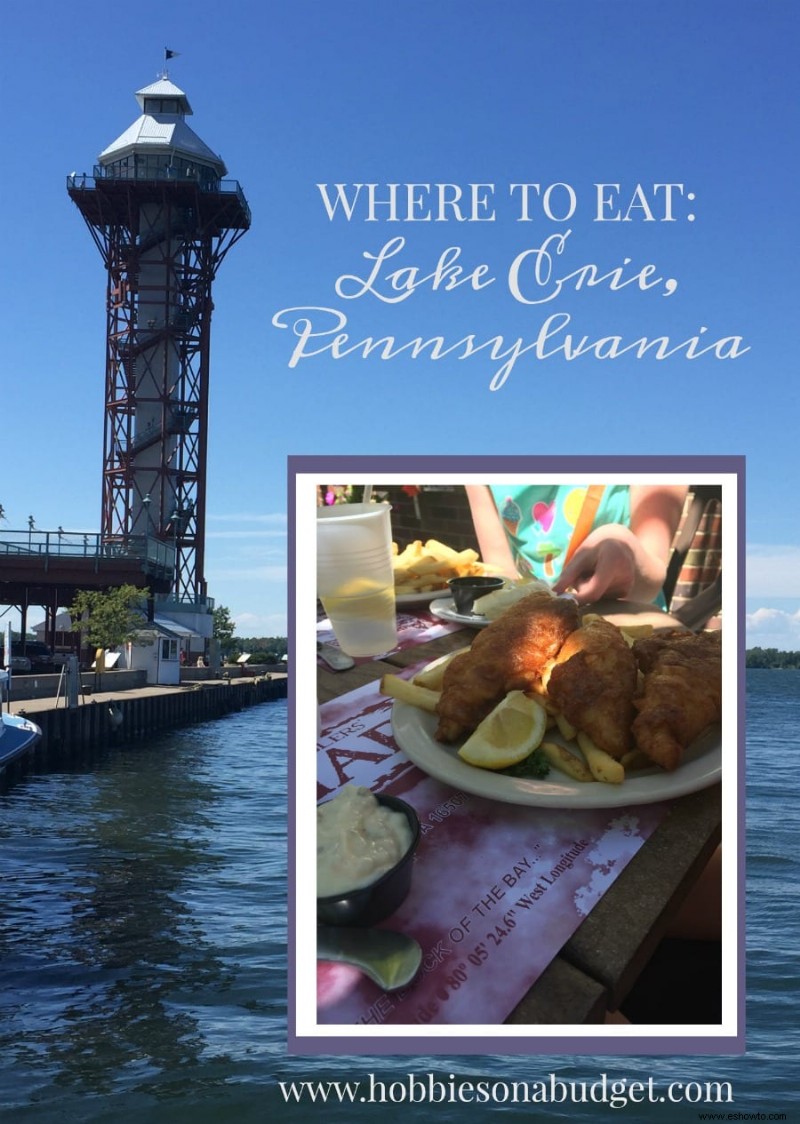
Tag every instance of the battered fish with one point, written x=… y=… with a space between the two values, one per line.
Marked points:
x=593 y=682
x=682 y=692
x=510 y=654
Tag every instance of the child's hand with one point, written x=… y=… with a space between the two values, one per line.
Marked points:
x=605 y=568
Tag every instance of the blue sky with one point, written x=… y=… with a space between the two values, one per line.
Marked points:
x=573 y=93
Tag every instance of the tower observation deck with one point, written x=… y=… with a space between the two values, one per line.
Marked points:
x=163 y=216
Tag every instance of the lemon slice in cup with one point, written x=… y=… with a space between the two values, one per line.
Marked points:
x=507 y=735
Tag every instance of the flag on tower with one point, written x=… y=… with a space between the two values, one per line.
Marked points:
x=168 y=54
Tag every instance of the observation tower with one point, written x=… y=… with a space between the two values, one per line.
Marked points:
x=163 y=216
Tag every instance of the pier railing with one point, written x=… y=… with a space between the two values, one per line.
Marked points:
x=154 y=555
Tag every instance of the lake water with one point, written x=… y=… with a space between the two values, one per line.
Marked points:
x=143 y=943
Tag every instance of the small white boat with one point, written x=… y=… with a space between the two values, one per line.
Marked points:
x=18 y=735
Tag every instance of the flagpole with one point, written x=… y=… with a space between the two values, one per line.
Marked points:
x=168 y=54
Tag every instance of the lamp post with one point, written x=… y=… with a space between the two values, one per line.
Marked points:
x=146 y=501
x=175 y=526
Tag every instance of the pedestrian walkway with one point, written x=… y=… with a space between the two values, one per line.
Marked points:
x=31 y=707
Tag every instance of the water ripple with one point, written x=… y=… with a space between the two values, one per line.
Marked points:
x=143 y=938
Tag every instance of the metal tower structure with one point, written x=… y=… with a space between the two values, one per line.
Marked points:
x=163 y=216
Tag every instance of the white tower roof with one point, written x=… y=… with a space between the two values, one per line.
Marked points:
x=163 y=88
x=162 y=129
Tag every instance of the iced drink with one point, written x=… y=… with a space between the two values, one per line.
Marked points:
x=355 y=580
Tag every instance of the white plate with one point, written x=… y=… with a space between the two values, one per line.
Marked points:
x=445 y=609
x=414 y=729
x=421 y=598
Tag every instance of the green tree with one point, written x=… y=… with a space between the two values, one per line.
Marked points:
x=264 y=649
x=108 y=618
x=772 y=658
x=224 y=628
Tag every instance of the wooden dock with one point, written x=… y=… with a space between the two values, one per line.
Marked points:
x=107 y=719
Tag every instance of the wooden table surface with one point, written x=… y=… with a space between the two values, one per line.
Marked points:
x=598 y=965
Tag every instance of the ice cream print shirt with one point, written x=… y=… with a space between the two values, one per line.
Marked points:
x=540 y=519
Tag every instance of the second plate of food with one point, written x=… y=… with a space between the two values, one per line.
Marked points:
x=445 y=610
x=418 y=597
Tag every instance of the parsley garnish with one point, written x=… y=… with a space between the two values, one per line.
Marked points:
x=534 y=765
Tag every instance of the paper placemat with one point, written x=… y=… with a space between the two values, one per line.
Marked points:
x=497 y=888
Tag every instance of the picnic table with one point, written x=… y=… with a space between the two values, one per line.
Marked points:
x=599 y=963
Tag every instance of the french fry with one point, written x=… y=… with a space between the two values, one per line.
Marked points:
x=428 y=564
x=636 y=631
x=544 y=700
x=464 y=558
x=432 y=677
x=415 y=582
x=438 y=549
x=632 y=632
x=603 y=766
x=635 y=760
x=561 y=758
x=405 y=691
x=565 y=728
x=423 y=567
x=406 y=557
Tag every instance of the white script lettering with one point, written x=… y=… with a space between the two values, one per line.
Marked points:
x=403 y=282
x=552 y=339
x=539 y=273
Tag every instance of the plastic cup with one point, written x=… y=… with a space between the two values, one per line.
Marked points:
x=355 y=579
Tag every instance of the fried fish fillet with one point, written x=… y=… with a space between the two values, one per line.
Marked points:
x=510 y=654
x=593 y=683
x=681 y=694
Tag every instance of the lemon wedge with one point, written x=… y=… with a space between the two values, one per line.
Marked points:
x=507 y=735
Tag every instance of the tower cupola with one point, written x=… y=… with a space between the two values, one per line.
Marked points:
x=159 y=144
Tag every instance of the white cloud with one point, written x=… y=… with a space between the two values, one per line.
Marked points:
x=773 y=628
x=276 y=519
x=773 y=574
x=260 y=624
x=277 y=534
x=252 y=573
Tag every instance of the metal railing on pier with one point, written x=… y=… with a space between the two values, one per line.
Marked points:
x=150 y=552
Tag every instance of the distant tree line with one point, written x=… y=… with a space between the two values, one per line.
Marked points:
x=263 y=649
x=772 y=658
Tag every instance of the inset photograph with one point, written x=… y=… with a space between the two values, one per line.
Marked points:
x=519 y=666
